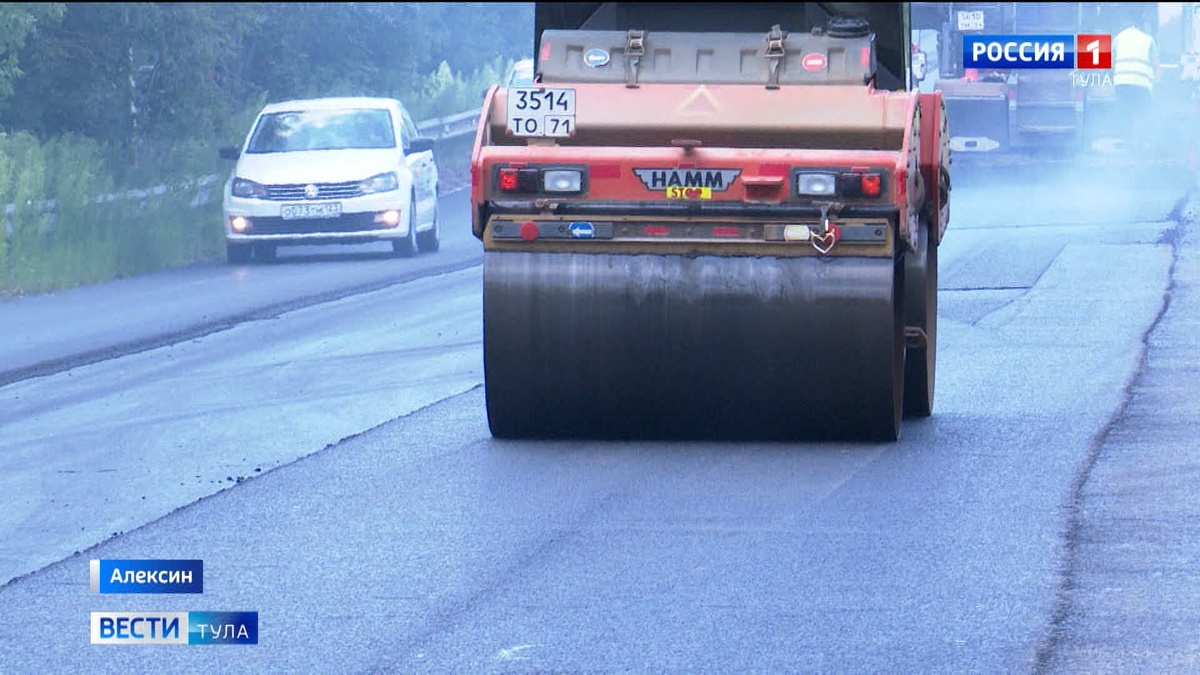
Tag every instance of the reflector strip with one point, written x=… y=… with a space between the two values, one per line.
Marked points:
x=577 y=230
x=851 y=233
x=583 y=231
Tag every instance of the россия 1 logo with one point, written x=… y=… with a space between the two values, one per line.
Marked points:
x=1004 y=52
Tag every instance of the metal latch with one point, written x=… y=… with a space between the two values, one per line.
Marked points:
x=634 y=51
x=774 y=55
x=915 y=338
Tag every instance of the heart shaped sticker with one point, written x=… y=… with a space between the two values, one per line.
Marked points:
x=826 y=241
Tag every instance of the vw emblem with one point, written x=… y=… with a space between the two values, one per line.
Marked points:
x=311 y=191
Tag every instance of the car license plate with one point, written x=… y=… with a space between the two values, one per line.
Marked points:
x=541 y=112
x=326 y=210
x=970 y=20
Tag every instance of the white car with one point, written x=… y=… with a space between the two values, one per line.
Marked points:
x=520 y=74
x=331 y=170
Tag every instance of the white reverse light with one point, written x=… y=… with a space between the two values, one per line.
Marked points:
x=562 y=180
x=816 y=184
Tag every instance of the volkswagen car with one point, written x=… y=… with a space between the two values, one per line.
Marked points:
x=521 y=74
x=331 y=170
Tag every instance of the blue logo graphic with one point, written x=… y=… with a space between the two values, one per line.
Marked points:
x=595 y=57
x=1002 y=52
x=222 y=628
x=147 y=576
x=174 y=628
x=582 y=230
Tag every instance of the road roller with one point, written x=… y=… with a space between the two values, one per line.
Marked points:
x=711 y=221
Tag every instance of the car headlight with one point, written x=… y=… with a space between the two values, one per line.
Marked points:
x=816 y=184
x=562 y=180
x=384 y=182
x=248 y=188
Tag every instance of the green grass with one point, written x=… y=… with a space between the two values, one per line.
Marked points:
x=110 y=241
x=82 y=241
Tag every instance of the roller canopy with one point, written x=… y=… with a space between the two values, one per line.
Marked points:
x=888 y=20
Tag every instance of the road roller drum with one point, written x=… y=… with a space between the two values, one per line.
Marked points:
x=647 y=346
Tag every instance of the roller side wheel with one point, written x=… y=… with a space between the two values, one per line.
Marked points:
x=920 y=319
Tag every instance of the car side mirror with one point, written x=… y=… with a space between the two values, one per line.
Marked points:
x=918 y=66
x=229 y=152
x=420 y=144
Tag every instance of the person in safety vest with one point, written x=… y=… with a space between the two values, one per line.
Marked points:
x=1135 y=71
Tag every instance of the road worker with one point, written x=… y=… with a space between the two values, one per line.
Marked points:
x=1135 y=71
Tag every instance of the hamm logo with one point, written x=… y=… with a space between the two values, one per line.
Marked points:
x=718 y=180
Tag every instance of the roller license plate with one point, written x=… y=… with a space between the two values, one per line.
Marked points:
x=544 y=112
x=970 y=20
x=297 y=211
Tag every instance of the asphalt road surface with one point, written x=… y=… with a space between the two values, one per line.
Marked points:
x=315 y=431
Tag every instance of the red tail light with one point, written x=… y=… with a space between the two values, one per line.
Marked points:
x=860 y=184
x=508 y=180
x=872 y=186
x=518 y=180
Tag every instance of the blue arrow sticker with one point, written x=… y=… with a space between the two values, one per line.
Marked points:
x=582 y=230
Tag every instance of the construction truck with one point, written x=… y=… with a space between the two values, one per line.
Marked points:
x=1007 y=111
x=711 y=221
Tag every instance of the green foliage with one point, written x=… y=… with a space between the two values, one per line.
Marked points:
x=83 y=238
x=445 y=92
x=102 y=97
x=19 y=20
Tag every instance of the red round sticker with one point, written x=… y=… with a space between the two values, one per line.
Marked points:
x=814 y=62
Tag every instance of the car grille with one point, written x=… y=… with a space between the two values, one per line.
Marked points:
x=350 y=222
x=291 y=193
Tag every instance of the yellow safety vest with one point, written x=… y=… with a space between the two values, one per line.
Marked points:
x=1131 y=59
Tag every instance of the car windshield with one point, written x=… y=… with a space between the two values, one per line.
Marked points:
x=322 y=130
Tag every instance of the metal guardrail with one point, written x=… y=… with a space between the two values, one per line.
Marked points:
x=453 y=126
x=438 y=128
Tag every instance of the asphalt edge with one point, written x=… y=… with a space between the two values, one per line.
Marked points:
x=1185 y=213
